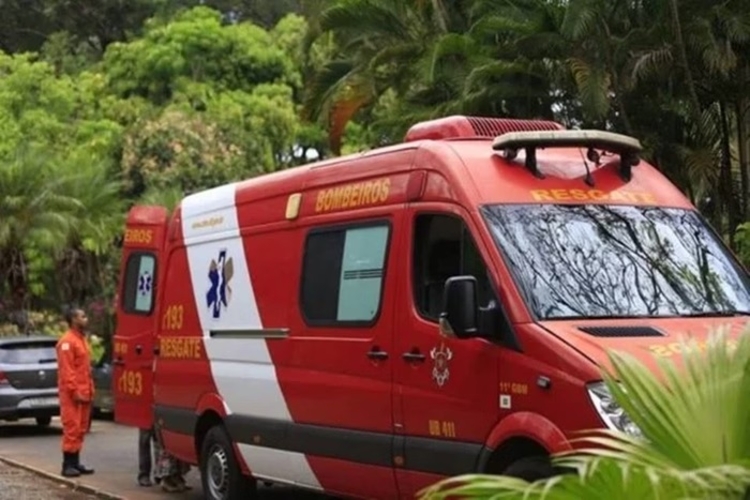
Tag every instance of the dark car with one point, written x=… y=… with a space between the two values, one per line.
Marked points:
x=103 y=397
x=28 y=379
x=103 y=405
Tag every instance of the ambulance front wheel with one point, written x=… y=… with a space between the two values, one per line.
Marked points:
x=531 y=468
x=220 y=473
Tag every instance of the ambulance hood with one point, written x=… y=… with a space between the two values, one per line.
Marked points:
x=647 y=339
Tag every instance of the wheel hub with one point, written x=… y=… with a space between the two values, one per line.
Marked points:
x=218 y=473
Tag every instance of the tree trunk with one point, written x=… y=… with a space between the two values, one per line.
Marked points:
x=682 y=56
x=726 y=185
x=742 y=112
x=743 y=147
x=15 y=279
x=619 y=101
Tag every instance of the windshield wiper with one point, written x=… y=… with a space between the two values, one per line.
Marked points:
x=715 y=314
x=596 y=316
x=708 y=314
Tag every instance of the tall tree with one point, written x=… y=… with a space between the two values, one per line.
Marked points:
x=381 y=45
x=24 y=25
x=101 y=22
x=35 y=214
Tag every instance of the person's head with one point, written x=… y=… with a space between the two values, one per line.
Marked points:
x=76 y=318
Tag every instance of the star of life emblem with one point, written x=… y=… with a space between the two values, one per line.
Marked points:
x=145 y=282
x=219 y=294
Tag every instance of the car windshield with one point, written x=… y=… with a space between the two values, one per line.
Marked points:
x=18 y=353
x=584 y=261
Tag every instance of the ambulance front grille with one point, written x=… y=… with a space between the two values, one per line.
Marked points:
x=621 y=331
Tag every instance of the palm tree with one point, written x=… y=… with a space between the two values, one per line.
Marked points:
x=694 y=417
x=518 y=70
x=382 y=45
x=674 y=77
x=36 y=215
x=87 y=263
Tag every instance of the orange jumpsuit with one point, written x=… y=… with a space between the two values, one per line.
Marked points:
x=76 y=388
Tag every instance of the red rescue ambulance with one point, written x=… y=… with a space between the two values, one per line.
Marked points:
x=368 y=325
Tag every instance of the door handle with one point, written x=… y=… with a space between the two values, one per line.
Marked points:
x=156 y=350
x=138 y=349
x=414 y=355
x=376 y=353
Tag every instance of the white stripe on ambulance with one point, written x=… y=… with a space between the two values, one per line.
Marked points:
x=242 y=369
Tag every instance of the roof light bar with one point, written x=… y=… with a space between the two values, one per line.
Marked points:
x=628 y=148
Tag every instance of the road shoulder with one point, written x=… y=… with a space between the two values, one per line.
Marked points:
x=20 y=482
x=111 y=449
x=74 y=486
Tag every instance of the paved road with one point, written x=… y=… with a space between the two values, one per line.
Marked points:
x=112 y=450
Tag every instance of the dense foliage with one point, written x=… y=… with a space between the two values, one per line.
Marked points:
x=170 y=105
x=103 y=104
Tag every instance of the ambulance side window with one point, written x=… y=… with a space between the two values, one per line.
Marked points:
x=342 y=274
x=138 y=285
x=443 y=247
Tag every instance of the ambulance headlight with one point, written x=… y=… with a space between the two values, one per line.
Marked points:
x=610 y=412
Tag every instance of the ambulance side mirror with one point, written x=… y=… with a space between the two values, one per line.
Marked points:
x=460 y=312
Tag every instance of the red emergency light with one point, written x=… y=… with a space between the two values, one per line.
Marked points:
x=463 y=127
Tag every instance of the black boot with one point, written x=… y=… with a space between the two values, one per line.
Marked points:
x=68 y=467
x=82 y=469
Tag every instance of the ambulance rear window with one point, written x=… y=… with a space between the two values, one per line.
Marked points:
x=343 y=273
x=585 y=261
x=138 y=285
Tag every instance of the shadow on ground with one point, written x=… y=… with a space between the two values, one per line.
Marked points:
x=113 y=451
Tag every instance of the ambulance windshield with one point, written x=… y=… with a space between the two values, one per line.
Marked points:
x=587 y=261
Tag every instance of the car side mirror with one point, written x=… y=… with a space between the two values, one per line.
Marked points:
x=460 y=313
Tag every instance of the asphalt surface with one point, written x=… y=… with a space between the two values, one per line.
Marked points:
x=111 y=449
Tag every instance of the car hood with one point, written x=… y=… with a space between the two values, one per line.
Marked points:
x=648 y=339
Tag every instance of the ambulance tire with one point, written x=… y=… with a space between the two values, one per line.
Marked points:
x=221 y=476
x=531 y=469
x=45 y=421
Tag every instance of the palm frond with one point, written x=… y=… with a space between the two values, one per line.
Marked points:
x=698 y=417
x=650 y=63
x=365 y=17
x=581 y=18
x=345 y=106
x=734 y=23
x=401 y=55
x=325 y=85
x=593 y=83
x=452 y=44
x=693 y=412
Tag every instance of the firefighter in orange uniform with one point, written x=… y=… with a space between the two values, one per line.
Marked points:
x=76 y=388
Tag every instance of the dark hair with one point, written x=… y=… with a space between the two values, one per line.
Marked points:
x=70 y=313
